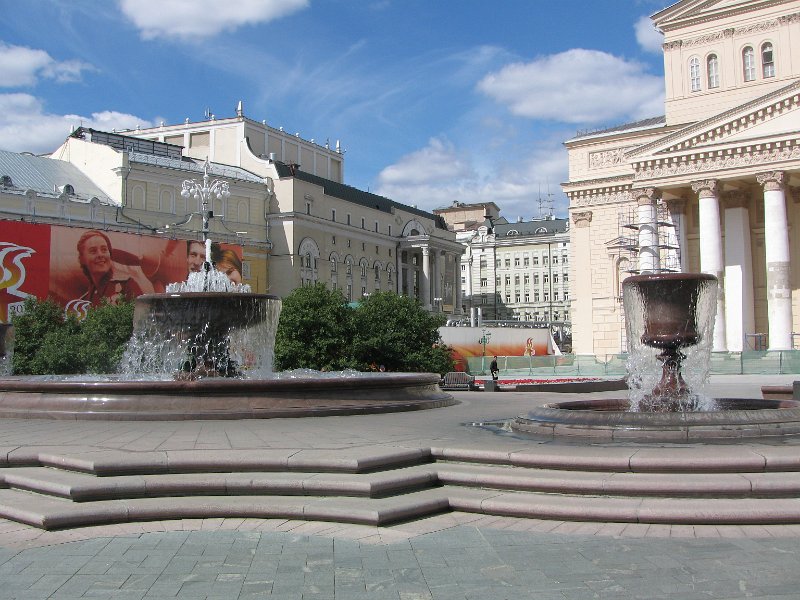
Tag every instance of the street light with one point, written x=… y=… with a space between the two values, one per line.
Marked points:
x=206 y=193
x=483 y=341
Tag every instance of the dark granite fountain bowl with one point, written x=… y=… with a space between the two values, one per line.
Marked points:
x=608 y=419
x=219 y=398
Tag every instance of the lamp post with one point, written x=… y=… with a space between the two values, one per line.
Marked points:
x=483 y=342
x=206 y=192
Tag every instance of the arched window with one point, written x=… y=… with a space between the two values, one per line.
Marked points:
x=165 y=202
x=694 y=74
x=749 y=63
x=308 y=253
x=767 y=60
x=712 y=64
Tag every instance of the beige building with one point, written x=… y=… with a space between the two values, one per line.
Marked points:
x=296 y=223
x=711 y=186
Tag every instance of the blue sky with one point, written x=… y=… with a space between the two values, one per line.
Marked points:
x=433 y=100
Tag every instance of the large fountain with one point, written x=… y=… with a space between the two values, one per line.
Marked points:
x=204 y=350
x=669 y=324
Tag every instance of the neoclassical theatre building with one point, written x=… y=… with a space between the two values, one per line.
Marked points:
x=712 y=186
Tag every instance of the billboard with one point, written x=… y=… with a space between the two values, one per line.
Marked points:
x=80 y=268
x=468 y=342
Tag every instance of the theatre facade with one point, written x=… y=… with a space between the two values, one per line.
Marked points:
x=711 y=186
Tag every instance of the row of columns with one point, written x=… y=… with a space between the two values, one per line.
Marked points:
x=432 y=277
x=731 y=261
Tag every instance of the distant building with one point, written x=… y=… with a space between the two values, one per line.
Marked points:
x=710 y=186
x=514 y=273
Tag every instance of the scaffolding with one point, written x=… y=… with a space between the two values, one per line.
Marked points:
x=626 y=245
x=627 y=241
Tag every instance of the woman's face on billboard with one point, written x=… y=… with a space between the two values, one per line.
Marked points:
x=96 y=256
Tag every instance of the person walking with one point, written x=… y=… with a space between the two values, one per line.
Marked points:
x=493 y=369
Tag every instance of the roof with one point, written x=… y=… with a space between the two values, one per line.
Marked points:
x=354 y=195
x=46 y=176
x=534 y=227
x=650 y=123
x=195 y=166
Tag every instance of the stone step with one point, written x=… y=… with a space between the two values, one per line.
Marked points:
x=47 y=512
x=82 y=487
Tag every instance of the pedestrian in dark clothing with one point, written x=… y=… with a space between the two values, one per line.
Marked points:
x=493 y=368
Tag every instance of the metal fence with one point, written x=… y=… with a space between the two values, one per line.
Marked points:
x=750 y=362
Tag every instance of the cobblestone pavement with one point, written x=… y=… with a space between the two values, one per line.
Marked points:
x=445 y=557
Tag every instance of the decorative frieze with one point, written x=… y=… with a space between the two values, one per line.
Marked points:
x=736 y=199
x=646 y=196
x=596 y=199
x=713 y=162
x=608 y=158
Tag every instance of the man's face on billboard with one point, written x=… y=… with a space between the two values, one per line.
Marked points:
x=196 y=256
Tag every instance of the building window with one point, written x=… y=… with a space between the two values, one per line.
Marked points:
x=535 y=261
x=333 y=214
x=362 y=222
x=713 y=71
x=482 y=263
x=376 y=226
x=535 y=296
x=516 y=279
x=527 y=297
x=525 y=261
x=694 y=74
x=516 y=261
x=555 y=277
x=497 y=282
x=536 y=279
x=767 y=60
x=390 y=230
x=526 y=278
x=508 y=263
x=749 y=63
x=546 y=278
x=484 y=282
x=508 y=279
x=497 y=264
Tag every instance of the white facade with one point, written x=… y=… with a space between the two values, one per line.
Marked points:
x=713 y=182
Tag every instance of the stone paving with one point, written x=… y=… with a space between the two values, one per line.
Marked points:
x=450 y=556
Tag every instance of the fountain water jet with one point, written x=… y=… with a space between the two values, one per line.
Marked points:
x=669 y=319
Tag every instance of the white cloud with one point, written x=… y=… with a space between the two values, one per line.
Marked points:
x=650 y=39
x=576 y=86
x=26 y=127
x=22 y=66
x=438 y=174
x=188 y=19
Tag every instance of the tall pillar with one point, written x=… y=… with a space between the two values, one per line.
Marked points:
x=776 y=246
x=648 y=230
x=425 y=280
x=457 y=285
x=410 y=275
x=739 y=298
x=711 y=257
x=438 y=287
x=583 y=337
x=398 y=276
x=677 y=211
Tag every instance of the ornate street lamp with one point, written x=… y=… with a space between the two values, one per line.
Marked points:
x=206 y=192
x=483 y=342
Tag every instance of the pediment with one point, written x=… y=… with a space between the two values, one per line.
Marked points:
x=687 y=12
x=768 y=117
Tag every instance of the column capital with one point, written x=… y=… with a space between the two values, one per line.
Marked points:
x=426 y=250
x=705 y=188
x=736 y=199
x=646 y=195
x=771 y=180
x=582 y=218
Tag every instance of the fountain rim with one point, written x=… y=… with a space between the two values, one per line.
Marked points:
x=645 y=277
x=227 y=295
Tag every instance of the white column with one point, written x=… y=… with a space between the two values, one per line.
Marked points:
x=438 y=287
x=776 y=246
x=739 y=301
x=398 y=276
x=457 y=286
x=425 y=280
x=648 y=230
x=677 y=211
x=711 y=257
x=410 y=275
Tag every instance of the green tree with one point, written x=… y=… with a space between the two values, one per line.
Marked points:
x=395 y=331
x=314 y=331
x=47 y=342
x=103 y=335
